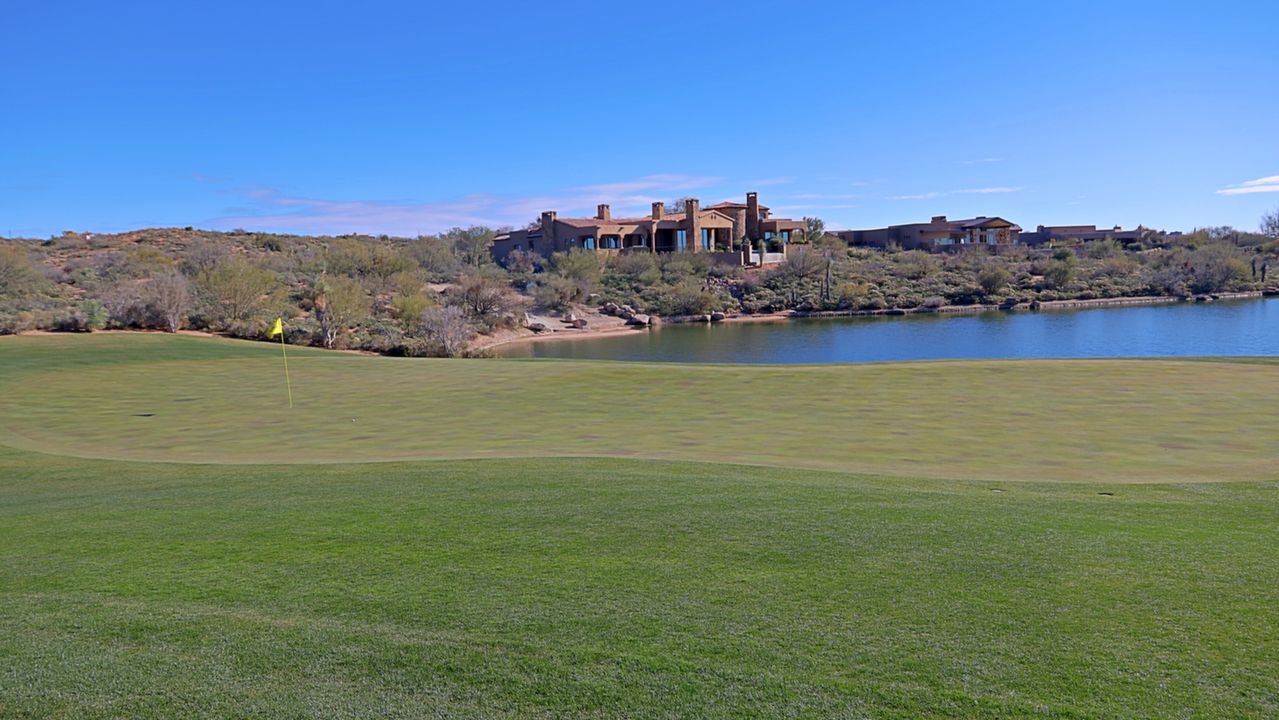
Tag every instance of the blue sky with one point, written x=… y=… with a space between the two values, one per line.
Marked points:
x=410 y=117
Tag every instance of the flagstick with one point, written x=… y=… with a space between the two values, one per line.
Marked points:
x=287 y=384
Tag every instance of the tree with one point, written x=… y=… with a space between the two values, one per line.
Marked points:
x=472 y=245
x=815 y=228
x=171 y=296
x=17 y=274
x=447 y=330
x=339 y=302
x=233 y=289
x=1270 y=225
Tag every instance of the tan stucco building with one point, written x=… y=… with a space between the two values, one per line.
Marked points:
x=727 y=229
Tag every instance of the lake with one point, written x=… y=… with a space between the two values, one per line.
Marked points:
x=1243 y=327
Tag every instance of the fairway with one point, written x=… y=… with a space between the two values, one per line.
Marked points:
x=923 y=540
x=186 y=399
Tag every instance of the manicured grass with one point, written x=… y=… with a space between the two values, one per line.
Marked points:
x=202 y=400
x=622 y=588
x=612 y=587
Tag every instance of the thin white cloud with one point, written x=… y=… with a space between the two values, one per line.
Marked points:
x=664 y=183
x=270 y=209
x=1260 y=185
x=966 y=191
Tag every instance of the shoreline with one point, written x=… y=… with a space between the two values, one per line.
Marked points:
x=561 y=335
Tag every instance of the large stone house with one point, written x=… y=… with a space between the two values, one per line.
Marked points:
x=938 y=234
x=730 y=230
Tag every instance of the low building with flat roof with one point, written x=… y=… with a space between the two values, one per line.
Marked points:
x=938 y=234
x=1053 y=233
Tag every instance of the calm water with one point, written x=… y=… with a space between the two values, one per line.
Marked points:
x=1249 y=327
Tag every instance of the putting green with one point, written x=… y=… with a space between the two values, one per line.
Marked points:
x=187 y=399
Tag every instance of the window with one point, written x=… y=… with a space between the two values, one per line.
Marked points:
x=608 y=243
x=681 y=240
x=785 y=236
x=706 y=238
x=768 y=235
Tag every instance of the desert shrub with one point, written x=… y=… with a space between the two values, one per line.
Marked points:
x=851 y=295
x=435 y=256
x=916 y=264
x=762 y=299
x=638 y=267
x=993 y=278
x=934 y=302
x=1216 y=268
x=87 y=316
x=580 y=266
x=522 y=262
x=555 y=293
x=367 y=259
x=409 y=307
x=17 y=321
x=686 y=299
x=1061 y=270
x=1102 y=249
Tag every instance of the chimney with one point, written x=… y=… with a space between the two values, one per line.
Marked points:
x=602 y=212
x=693 y=222
x=752 y=216
x=939 y=219
x=659 y=210
x=548 y=227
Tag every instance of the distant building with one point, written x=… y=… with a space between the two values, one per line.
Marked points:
x=725 y=228
x=1050 y=233
x=938 y=234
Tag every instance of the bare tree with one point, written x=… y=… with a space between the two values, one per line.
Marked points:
x=1270 y=224
x=483 y=298
x=447 y=329
x=171 y=297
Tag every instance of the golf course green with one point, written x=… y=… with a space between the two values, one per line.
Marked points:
x=524 y=538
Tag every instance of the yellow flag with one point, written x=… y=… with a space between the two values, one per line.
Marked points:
x=277 y=328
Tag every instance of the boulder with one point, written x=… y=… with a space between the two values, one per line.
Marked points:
x=626 y=314
x=637 y=320
x=579 y=323
x=609 y=308
x=537 y=327
x=628 y=309
x=718 y=316
x=570 y=318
